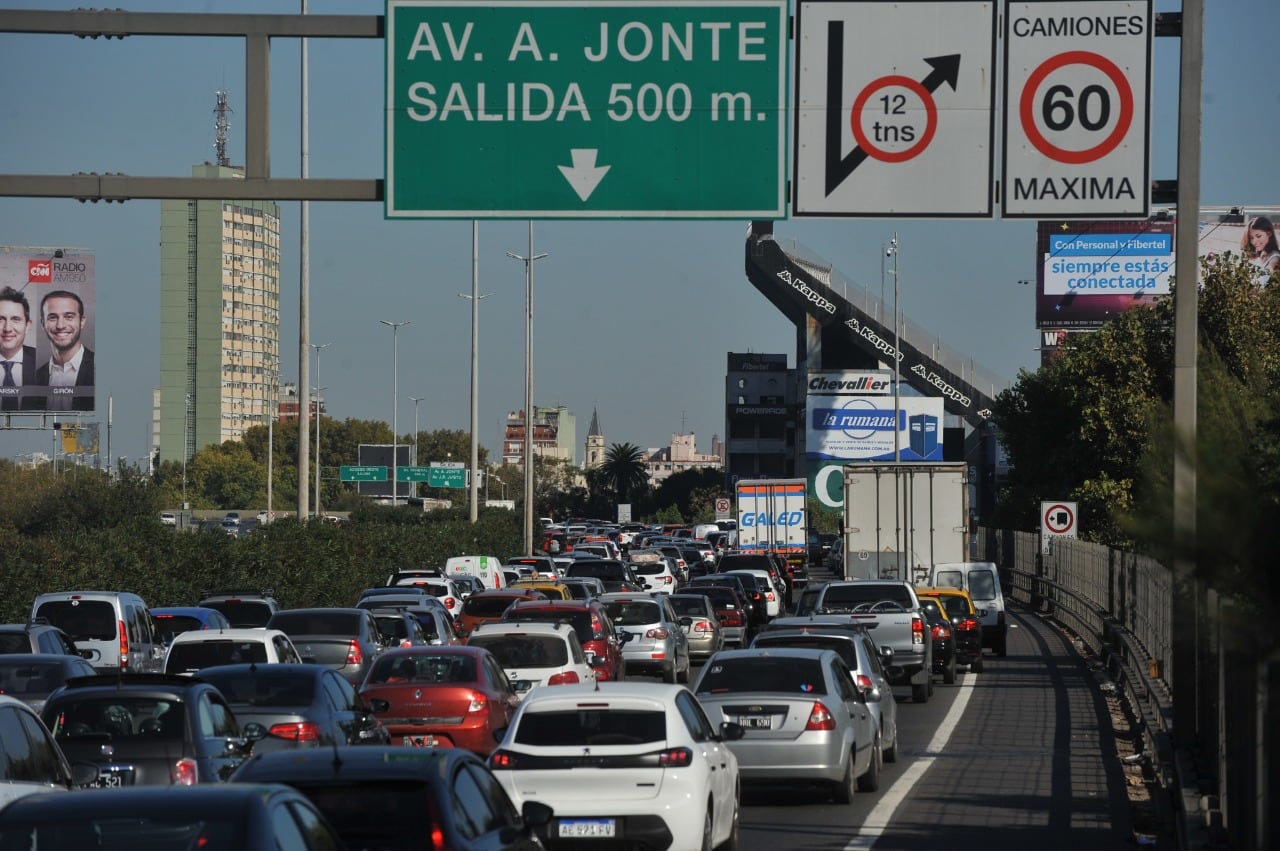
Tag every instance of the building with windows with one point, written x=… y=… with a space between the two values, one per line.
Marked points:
x=554 y=432
x=219 y=318
x=682 y=455
x=762 y=417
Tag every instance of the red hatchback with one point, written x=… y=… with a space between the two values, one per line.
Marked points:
x=441 y=697
x=591 y=623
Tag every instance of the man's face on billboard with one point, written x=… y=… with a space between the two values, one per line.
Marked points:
x=14 y=324
x=63 y=322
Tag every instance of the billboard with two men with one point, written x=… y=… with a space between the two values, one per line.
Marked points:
x=46 y=330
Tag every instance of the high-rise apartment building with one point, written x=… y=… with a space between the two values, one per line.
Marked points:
x=553 y=435
x=219 y=317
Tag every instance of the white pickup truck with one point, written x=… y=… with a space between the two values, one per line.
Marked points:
x=899 y=624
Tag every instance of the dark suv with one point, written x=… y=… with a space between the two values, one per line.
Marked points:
x=615 y=575
x=590 y=621
x=146 y=729
x=243 y=608
x=35 y=638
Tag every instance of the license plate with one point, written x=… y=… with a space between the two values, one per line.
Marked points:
x=420 y=741
x=756 y=722
x=587 y=827
x=111 y=779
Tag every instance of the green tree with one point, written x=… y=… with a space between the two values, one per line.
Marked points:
x=624 y=472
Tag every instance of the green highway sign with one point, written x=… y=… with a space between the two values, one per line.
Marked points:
x=363 y=474
x=447 y=477
x=411 y=474
x=568 y=109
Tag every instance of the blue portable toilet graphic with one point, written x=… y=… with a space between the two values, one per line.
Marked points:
x=924 y=435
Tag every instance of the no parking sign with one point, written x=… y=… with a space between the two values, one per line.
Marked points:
x=1057 y=520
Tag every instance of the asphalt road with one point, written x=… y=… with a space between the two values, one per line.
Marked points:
x=1021 y=757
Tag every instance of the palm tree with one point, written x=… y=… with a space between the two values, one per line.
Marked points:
x=624 y=469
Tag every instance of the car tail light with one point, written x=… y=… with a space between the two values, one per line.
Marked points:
x=296 y=731
x=563 y=678
x=437 y=838
x=449 y=603
x=355 y=656
x=675 y=758
x=917 y=630
x=597 y=629
x=184 y=772
x=703 y=626
x=124 y=645
x=478 y=702
x=864 y=682
x=769 y=596
x=940 y=631
x=967 y=624
x=730 y=617
x=503 y=759
x=820 y=718
x=657 y=632
x=666 y=580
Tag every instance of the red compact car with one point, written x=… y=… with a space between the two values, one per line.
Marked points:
x=591 y=623
x=443 y=697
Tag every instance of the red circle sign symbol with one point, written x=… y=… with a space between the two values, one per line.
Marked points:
x=1059 y=518
x=1026 y=110
x=722 y=506
x=930 y=127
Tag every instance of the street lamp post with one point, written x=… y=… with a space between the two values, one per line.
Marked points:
x=318 y=347
x=892 y=251
x=475 y=371
x=395 y=404
x=528 y=261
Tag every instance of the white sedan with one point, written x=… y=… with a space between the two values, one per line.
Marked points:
x=628 y=762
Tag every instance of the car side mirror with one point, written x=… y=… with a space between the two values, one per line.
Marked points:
x=254 y=731
x=378 y=706
x=731 y=731
x=83 y=774
x=873 y=695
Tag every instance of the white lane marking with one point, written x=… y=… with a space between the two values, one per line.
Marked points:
x=877 y=821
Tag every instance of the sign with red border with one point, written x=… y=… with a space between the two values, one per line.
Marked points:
x=894 y=108
x=1077 y=121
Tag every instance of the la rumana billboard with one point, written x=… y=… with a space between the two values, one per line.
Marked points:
x=850 y=416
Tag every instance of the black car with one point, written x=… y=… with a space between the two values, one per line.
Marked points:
x=754 y=592
x=299 y=706
x=35 y=638
x=248 y=818
x=616 y=575
x=243 y=608
x=32 y=677
x=146 y=729
x=397 y=798
x=757 y=613
x=944 y=642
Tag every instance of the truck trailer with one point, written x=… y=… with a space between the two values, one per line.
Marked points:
x=773 y=517
x=902 y=518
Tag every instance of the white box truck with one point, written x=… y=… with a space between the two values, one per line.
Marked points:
x=902 y=518
x=773 y=517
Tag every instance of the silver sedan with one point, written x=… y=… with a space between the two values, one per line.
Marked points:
x=803 y=718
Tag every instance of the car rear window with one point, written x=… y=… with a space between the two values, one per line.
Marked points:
x=600 y=571
x=317 y=623
x=744 y=563
x=524 y=651
x=262 y=689
x=30 y=679
x=167 y=626
x=581 y=621
x=785 y=674
x=81 y=619
x=192 y=656
x=243 y=614
x=118 y=716
x=480 y=606
x=15 y=642
x=592 y=727
x=956 y=606
x=696 y=607
x=632 y=612
x=438 y=668
x=848 y=596
x=982 y=585
x=382 y=814
x=649 y=568
x=949 y=579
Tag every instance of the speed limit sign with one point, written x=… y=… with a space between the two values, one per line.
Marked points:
x=1077 y=109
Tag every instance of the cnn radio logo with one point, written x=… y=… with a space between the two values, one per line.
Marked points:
x=40 y=271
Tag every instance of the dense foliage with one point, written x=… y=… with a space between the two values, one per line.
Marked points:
x=1095 y=426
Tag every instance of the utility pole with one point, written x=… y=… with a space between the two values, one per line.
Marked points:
x=528 y=261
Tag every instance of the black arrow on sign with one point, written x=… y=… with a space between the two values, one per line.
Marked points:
x=946 y=69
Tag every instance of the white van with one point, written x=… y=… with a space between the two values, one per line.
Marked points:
x=488 y=569
x=112 y=629
x=701 y=530
x=982 y=581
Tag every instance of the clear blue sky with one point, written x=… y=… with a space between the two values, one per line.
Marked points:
x=634 y=317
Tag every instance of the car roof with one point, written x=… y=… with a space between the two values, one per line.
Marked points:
x=157 y=683
x=600 y=692
x=196 y=636
x=267 y=668
x=785 y=652
x=344 y=764
x=529 y=627
x=183 y=801
x=238 y=594
x=929 y=591
x=189 y=611
x=432 y=650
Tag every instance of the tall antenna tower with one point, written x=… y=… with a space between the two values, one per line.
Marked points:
x=222 y=124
